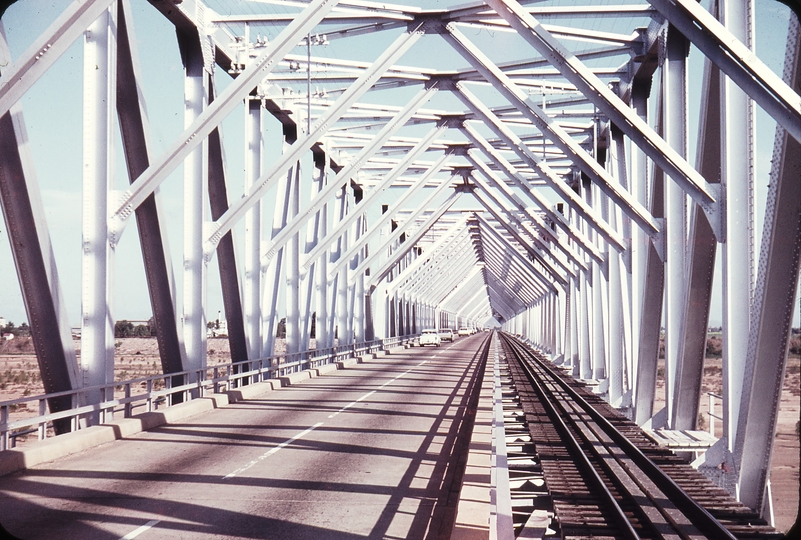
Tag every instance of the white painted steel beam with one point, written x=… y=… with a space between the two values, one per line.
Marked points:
x=728 y=51
x=377 y=191
x=414 y=238
x=447 y=240
x=510 y=222
x=545 y=280
x=97 y=332
x=553 y=131
x=344 y=176
x=737 y=171
x=543 y=170
x=577 y=236
x=773 y=309
x=602 y=97
x=211 y=117
x=318 y=130
x=21 y=75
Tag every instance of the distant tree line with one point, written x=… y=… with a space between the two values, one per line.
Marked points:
x=23 y=330
x=126 y=328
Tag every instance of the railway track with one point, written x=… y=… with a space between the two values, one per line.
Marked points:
x=606 y=478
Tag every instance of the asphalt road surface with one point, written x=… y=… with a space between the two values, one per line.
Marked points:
x=373 y=451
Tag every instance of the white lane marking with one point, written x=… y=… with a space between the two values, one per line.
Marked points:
x=368 y=394
x=140 y=530
x=273 y=450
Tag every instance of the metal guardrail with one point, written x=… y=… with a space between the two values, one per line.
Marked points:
x=159 y=391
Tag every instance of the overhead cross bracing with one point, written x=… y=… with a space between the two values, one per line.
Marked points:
x=374 y=169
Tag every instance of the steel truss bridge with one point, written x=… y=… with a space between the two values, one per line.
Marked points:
x=513 y=160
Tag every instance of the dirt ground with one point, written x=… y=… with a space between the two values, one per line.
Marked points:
x=138 y=357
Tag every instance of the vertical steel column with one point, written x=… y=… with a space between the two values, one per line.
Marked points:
x=572 y=336
x=97 y=333
x=599 y=320
x=640 y=242
x=358 y=284
x=292 y=250
x=650 y=315
x=226 y=255
x=774 y=303
x=195 y=181
x=675 y=103
x=317 y=228
x=619 y=307
x=340 y=286
x=254 y=147
x=737 y=174
x=701 y=254
x=585 y=365
x=272 y=281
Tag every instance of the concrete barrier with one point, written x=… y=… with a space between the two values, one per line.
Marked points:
x=57 y=447
x=325 y=369
x=251 y=391
x=295 y=378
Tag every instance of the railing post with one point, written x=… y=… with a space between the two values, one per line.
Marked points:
x=42 y=425
x=128 y=405
x=4 y=422
x=711 y=413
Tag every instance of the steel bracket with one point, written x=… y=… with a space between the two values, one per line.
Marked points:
x=715 y=212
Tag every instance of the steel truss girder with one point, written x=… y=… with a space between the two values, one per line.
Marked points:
x=773 y=306
x=525 y=263
x=470 y=291
x=26 y=223
x=736 y=60
x=460 y=296
x=510 y=223
x=132 y=117
x=572 y=232
x=437 y=278
x=413 y=274
x=69 y=26
x=701 y=254
x=517 y=265
x=211 y=117
x=342 y=178
x=515 y=234
x=610 y=104
x=318 y=130
x=385 y=218
x=553 y=131
x=502 y=296
x=439 y=284
x=386 y=183
x=553 y=181
x=410 y=242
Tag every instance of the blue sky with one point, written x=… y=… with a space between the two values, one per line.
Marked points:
x=53 y=112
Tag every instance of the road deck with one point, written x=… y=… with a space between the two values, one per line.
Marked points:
x=368 y=452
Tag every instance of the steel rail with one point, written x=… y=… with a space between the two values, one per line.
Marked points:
x=698 y=515
x=575 y=446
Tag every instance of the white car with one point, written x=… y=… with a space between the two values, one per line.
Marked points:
x=464 y=331
x=430 y=336
x=446 y=334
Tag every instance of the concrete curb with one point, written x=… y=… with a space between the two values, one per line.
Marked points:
x=473 y=511
x=70 y=443
x=251 y=391
x=57 y=447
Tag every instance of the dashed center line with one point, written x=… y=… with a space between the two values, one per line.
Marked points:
x=305 y=432
x=273 y=451
x=140 y=530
